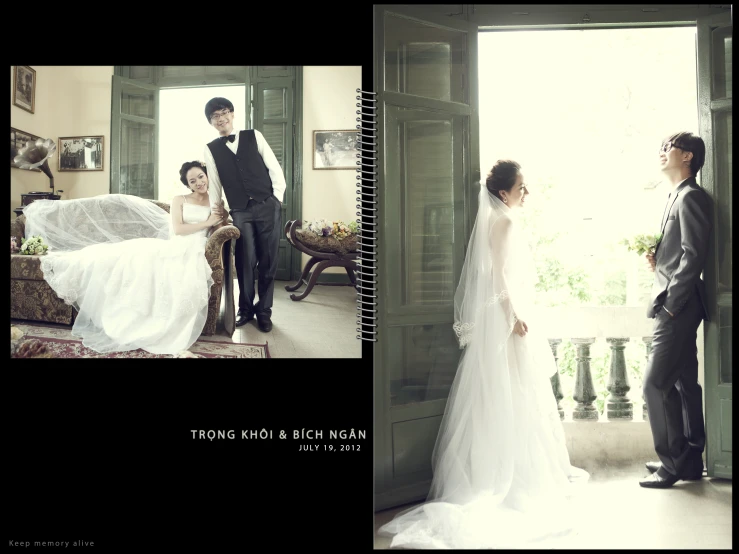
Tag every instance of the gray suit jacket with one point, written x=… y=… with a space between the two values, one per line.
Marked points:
x=681 y=255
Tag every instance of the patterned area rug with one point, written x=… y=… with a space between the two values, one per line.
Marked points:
x=59 y=343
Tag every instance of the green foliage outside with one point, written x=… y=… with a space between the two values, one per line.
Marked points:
x=596 y=281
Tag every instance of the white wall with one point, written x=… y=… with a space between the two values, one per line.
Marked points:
x=70 y=101
x=329 y=103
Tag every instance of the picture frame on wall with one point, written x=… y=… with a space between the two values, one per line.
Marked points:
x=335 y=149
x=18 y=140
x=24 y=88
x=81 y=153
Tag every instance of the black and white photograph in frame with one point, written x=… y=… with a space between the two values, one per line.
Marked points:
x=24 y=88
x=81 y=153
x=18 y=140
x=335 y=149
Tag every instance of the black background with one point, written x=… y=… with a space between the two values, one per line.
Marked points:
x=107 y=454
x=103 y=451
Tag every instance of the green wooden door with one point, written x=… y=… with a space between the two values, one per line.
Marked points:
x=273 y=108
x=133 y=148
x=715 y=105
x=425 y=79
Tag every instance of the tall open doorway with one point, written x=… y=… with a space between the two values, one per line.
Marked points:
x=184 y=131
x=584 y=112
x=157 y=123
x=430 y=161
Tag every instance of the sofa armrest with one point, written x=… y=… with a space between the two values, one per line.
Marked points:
x=18 y=229
x=214 y=246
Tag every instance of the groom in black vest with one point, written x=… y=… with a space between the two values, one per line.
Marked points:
x=242 y=165
x=678 y=304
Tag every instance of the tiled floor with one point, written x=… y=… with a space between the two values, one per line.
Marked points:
x=620 y=514
x=322 y=325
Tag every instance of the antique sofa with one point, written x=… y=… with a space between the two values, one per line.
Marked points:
x=31 y=298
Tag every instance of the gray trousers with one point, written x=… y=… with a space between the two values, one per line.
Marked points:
x=256 y=253
x=672 y=393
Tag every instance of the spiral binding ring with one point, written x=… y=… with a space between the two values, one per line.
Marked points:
x=366 y=278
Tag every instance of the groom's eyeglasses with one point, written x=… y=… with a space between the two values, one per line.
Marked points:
x=217 y=115
x=666 y=147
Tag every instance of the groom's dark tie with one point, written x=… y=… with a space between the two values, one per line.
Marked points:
x=229 y=138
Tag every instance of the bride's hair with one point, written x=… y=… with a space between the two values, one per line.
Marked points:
x=502 y=176
x=187 y=166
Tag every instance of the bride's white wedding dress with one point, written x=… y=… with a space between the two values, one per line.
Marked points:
x=130 y=293
x=502 y=474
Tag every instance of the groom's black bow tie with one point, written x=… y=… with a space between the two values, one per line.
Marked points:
x=229 y=138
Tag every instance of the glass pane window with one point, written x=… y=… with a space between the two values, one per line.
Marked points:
x=724 y=190
x=424 y=60
x=427 y=366
x=724 y=323
x=722 y=66
x=137 y=101
x=428 y=214
x=137 y=159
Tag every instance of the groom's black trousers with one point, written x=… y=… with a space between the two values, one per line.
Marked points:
x=672 y=393
x=256 y=252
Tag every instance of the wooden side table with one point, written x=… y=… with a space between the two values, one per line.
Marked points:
x=319 y=260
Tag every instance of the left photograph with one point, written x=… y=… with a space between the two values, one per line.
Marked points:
x=178 y=211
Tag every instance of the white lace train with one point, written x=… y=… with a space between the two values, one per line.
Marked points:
x=146 y=293
x=501 y=470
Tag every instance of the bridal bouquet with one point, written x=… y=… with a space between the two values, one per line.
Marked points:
x=643 y=243
x=33 y=246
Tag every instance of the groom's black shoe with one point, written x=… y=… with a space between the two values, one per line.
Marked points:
x=692 y=475
x=243 y=318
x=660 y=479
x=264 y=323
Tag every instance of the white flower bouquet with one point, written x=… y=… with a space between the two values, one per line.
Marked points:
x=642 y=243
x=33 y=246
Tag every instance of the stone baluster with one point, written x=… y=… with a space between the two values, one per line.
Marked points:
x=556 y=385
x=584 y=389
x=618 y=405
x=648 y=343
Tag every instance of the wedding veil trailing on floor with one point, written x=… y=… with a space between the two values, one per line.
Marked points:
x=133 y=282
x=501 y=470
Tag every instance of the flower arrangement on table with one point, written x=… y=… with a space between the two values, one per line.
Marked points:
x=642 y=243
x=31 y=246
x=336 y=229
x=323 y=235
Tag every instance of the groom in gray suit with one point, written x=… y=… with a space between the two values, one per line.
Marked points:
x=671 y=390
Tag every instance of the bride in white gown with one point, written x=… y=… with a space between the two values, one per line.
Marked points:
x=137 y=276
x=502 y=475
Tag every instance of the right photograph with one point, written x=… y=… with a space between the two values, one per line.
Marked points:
x=553 y=306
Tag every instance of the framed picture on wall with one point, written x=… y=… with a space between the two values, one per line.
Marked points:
x=19 y=139
x=335 y=150
x=81 y=153
x=24 y=88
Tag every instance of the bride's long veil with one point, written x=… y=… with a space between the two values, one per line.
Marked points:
x=69 y=225
x=485 y=473
x=110 y=259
